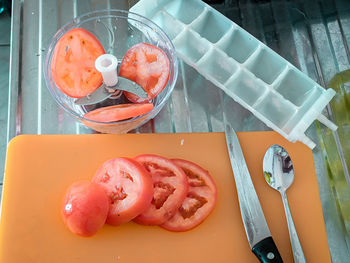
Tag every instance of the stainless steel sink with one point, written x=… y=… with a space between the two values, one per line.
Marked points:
x=5 y=29
x=312 y=35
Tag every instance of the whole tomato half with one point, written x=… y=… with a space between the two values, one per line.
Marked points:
x=85 y=208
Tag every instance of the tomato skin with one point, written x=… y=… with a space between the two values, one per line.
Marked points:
x=148 y=66
x=118 y=112
x=200 y=200
x=128 y=186
x=85 y=208
x=170 y=189
x=73 y=63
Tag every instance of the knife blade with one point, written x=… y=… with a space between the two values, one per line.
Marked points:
x=104 y=92
x=257 y=230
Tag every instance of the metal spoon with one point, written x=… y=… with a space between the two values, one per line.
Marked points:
x=279 y=174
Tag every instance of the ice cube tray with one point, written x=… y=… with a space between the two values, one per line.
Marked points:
x=247 y=70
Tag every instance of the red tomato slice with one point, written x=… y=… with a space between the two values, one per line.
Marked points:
x=118 y=112
x=85 y=208
x=73 y=63
x=129 y=187
x=148 y=66
x=200 y=200
x=170 y=188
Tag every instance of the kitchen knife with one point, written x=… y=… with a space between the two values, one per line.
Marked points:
x=255 y=225
x=104 y=92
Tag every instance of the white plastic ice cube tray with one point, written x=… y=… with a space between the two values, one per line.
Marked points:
x=252 y=74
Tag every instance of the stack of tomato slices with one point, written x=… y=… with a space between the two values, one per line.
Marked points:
x=149 y=189
x=73 y=71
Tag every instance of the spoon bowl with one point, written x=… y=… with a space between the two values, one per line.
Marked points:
x=279 y=174
x=278 y=168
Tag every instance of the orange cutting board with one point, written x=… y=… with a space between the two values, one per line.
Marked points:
x=39 y=168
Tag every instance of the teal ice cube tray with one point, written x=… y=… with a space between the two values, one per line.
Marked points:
x=255 y=76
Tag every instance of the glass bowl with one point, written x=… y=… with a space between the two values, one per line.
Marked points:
x=117 y=30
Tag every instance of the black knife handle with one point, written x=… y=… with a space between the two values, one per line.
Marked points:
x=267 y=252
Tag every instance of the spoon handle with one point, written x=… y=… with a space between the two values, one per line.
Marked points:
x=296 y=246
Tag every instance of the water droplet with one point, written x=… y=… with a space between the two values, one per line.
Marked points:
x=98 y=21
x=115 y=27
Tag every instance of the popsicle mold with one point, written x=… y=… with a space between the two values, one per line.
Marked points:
x=255 y=76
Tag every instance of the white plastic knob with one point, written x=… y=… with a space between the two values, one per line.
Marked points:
x=107 y=65
x=321 y=118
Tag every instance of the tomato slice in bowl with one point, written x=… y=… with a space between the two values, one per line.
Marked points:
x=170 y=189
x=85 y=208
x=73 y=63
x=118 y=112
x=148 y=66
x=128 y=186
x=199 y=202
